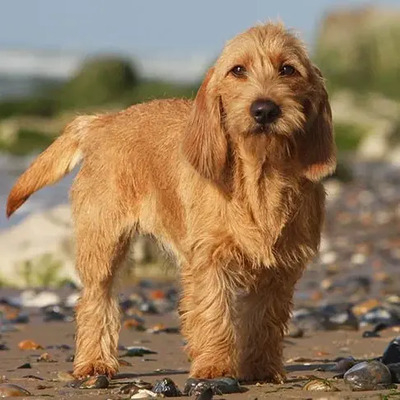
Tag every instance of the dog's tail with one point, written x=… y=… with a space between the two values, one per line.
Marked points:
x=54 y=163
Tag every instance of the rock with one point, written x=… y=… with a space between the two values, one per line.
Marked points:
x=135 y=387
x=167 y=388
x=72 y=300
x=219 y=386
x=45 y=357
x=391 y=354
x=380 y=315
x=95 y=382
x=124 y=363
x=343 y=365
x=29 y=345
x=55 y=313
x=33 y=377
x=320 y=385
x=366 y=375
x=365 y=306
x=161 y=328
x=294 y=331
x=24 y=246
x=370 y=334
x=10 y=390
x=31 y=298
x=63 y=376
x=395 y=372
x=144 y=394
x=206 y=394
x=329 y=317
x=135 y=351
x=133 y=323
x=25 y=366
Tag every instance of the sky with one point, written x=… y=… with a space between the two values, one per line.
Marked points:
x=174 y=40
x=176 y=27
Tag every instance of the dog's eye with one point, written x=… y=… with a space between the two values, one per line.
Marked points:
x=239 y=71
x=287 y=70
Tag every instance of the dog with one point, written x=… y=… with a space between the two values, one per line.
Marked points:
x=230 y=183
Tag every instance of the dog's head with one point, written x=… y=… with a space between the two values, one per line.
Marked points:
x=263 y=84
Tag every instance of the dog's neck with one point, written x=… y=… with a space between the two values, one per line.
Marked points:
x=264 y=180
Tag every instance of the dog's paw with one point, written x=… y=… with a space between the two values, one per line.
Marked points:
x=210 y=371
x=94 y=368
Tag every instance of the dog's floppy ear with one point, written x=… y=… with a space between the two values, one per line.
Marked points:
x=204 y=142
x=317 y=151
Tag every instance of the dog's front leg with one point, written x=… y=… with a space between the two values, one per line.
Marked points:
x=207 y=322
x=234 y=321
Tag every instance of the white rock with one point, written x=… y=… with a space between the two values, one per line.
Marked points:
x=72 y=299
x=30 y=298
x=144 y=394
x=38 y=235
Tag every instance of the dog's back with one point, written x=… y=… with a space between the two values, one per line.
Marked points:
x=128 y=147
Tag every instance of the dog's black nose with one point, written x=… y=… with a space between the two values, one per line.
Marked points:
x=265 y=111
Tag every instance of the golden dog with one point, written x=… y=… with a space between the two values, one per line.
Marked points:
x=229 y=183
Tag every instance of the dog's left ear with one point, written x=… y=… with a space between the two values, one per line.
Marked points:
x=204 y=143
x=317 y=150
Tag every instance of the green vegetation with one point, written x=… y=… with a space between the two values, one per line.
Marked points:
x=102 y=84
x=358 y=49
x=100 y=81
x=43 y=271
x=348 y=135
x=26 y=141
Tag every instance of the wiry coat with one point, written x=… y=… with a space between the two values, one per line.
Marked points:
x=240 y=209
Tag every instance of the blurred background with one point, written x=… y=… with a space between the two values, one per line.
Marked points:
x=58 y=59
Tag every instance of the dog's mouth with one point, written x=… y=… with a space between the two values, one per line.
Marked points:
x=266 y=129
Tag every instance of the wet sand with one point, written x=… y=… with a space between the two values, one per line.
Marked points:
x=304 y=357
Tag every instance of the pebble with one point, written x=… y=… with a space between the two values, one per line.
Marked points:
x=167 y=388
x=370 y=334
x=31 y=298
x=219 y=386
x=380 y=315
x=144 y=394
x=365 y=306
x=133 y=323
x=45 y=357
x=294 y=331
x=368 y=375
x=134 y=387
x=135 y=351
x=29 y=345
x=320 y=385
x=64 y=376
x=343 y=365
x=124 y=363
x=391 y=355
x=10 y=390
x=94 y=382
x=72 y=300
x=329 y=317
x=25 y=366
x=55 y=313
x=206 y=394
x=395 y=372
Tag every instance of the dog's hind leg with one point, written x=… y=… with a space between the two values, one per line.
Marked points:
x=102 y=242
